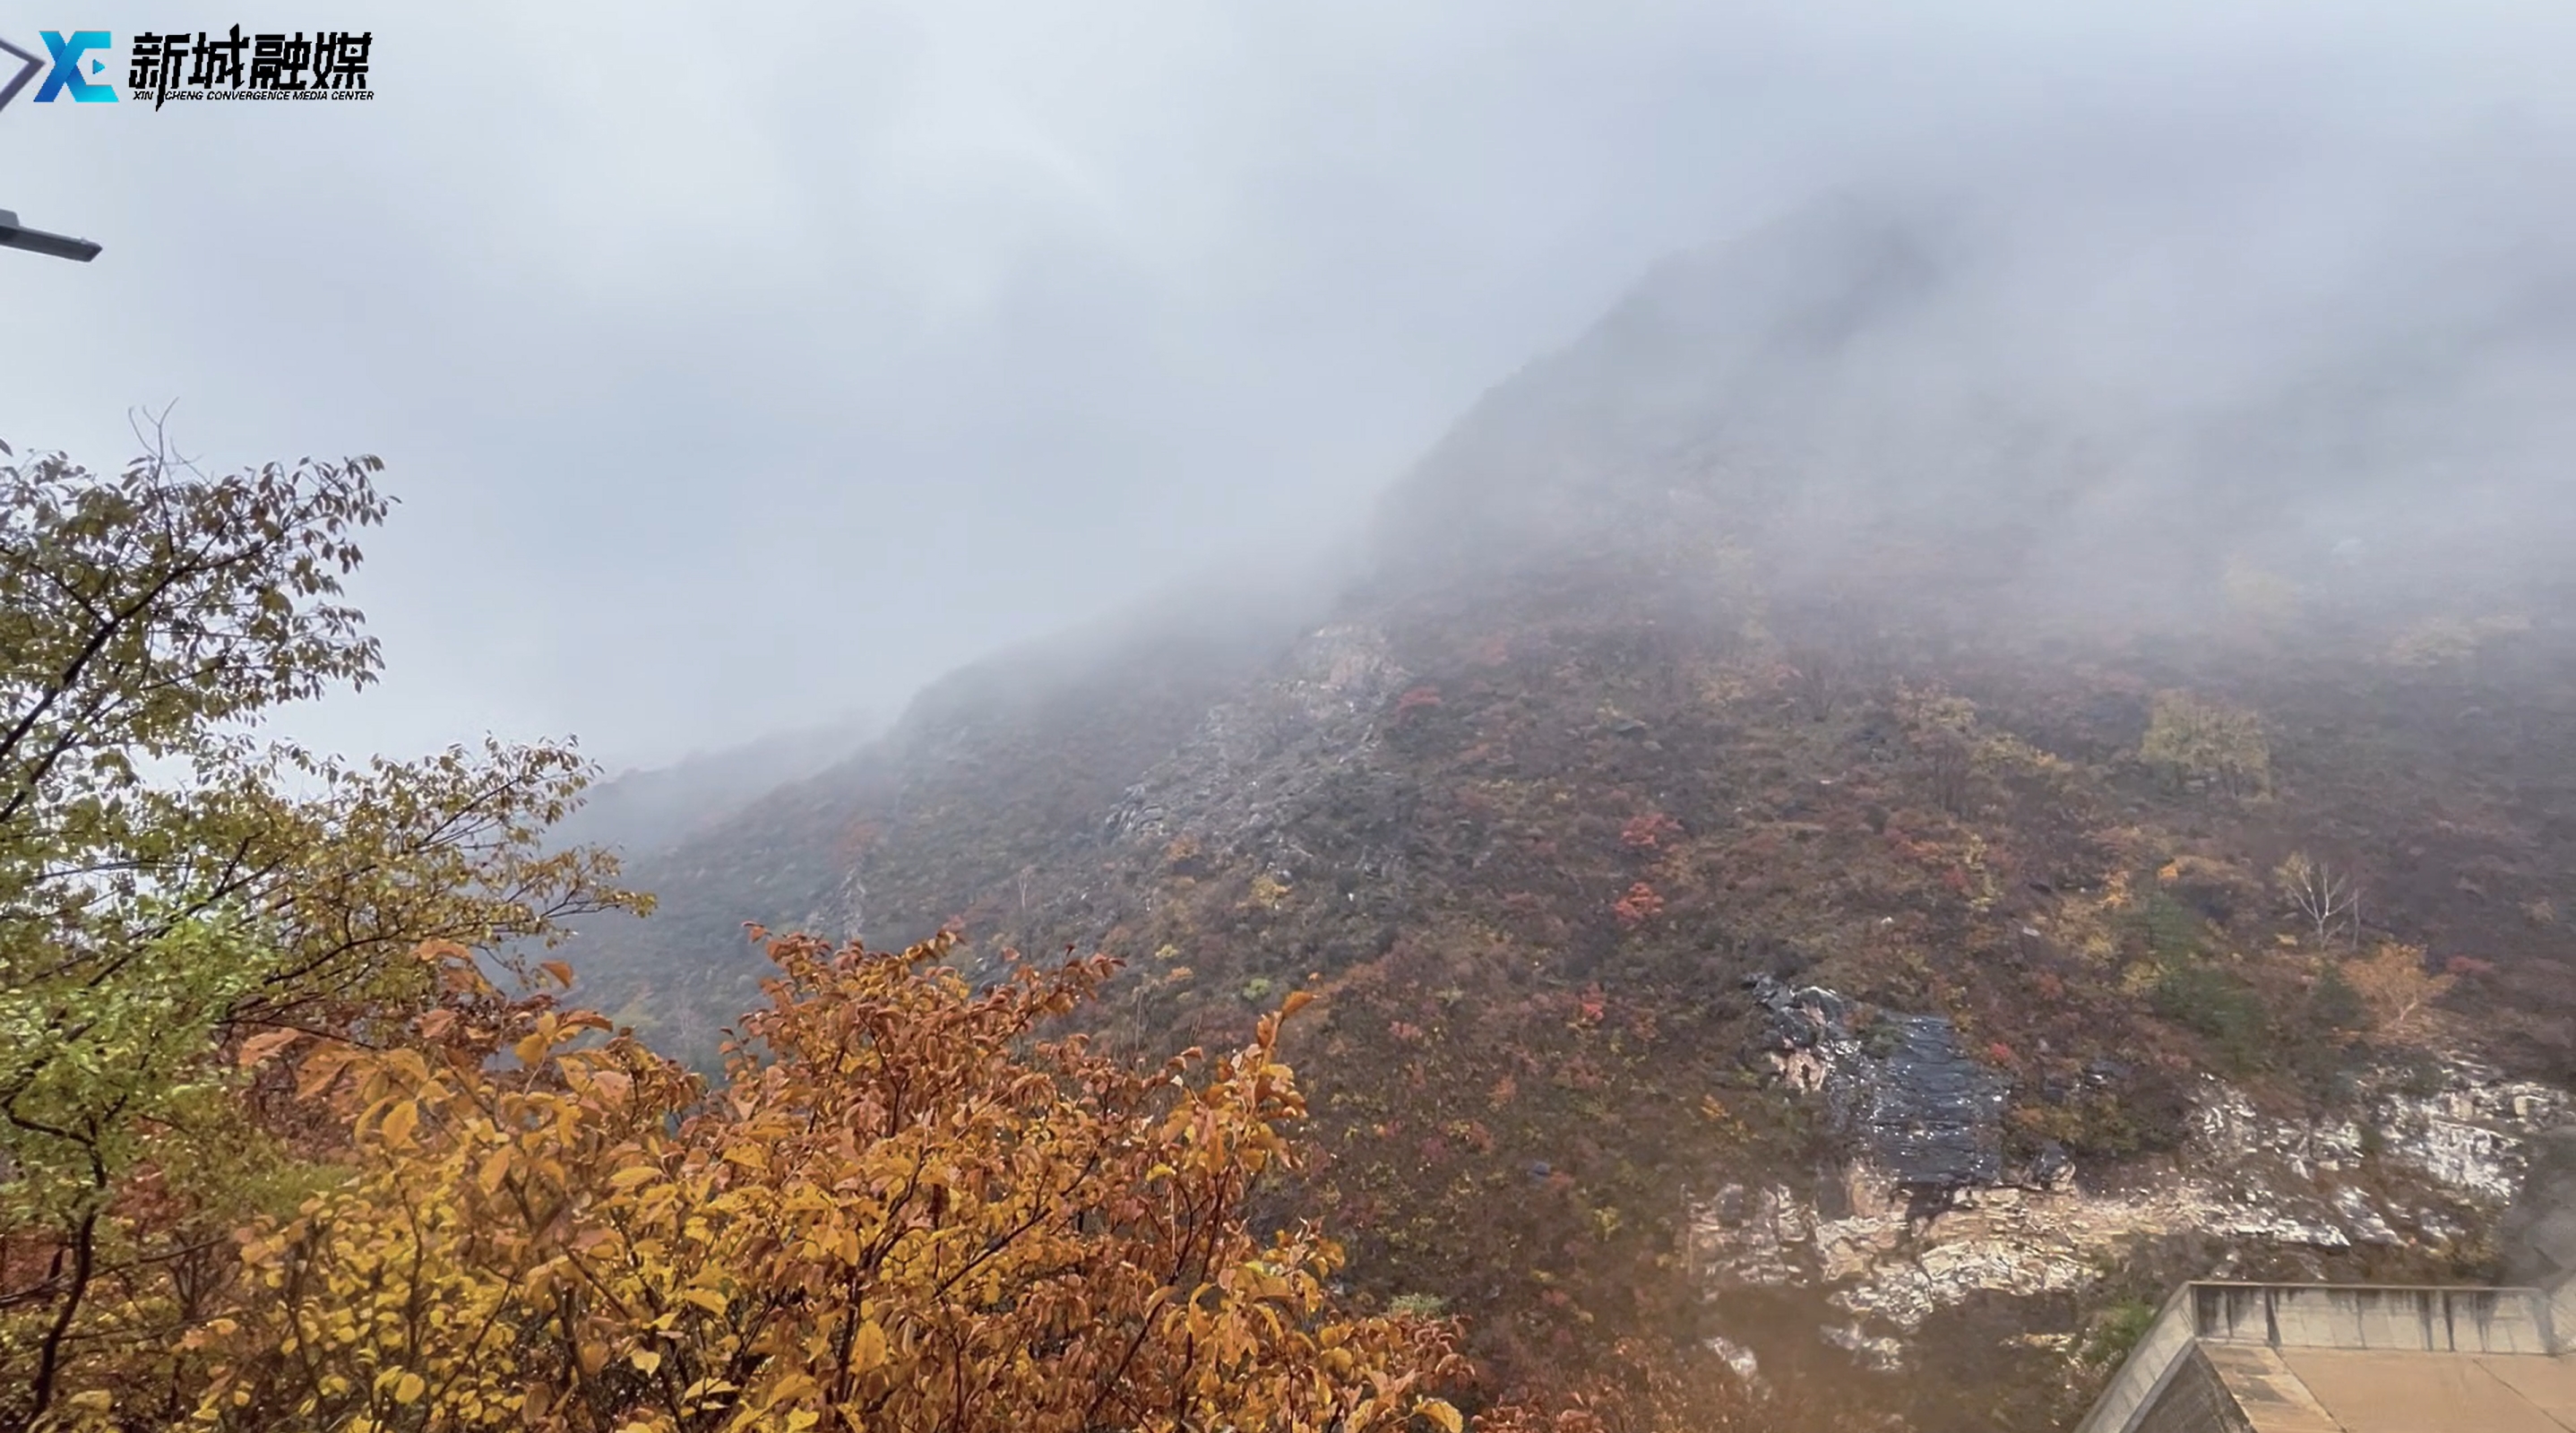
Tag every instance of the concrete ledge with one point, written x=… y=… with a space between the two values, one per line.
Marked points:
x=2424 y=1320
x=2396 y=1318
x=2152 y=1361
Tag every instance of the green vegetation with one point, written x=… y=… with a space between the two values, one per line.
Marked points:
x=2118 y=1330
x=2197 y=741
x=2203 y=998
x=2169 y=928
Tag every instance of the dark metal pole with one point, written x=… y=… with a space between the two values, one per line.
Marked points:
x=13 y=235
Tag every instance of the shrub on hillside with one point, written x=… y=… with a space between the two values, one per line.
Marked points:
x=2195 y=741
x=2206 y=999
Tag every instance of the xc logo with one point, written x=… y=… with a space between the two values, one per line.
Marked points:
x=67 y=67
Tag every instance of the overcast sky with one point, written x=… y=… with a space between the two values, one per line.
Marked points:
x=739 y=365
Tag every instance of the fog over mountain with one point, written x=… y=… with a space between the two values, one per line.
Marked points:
x=2077 y=394
x=1875 y=679
x=693 y=382
x=643 y=811
x=1812 y=770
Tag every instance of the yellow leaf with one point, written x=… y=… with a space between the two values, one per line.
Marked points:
x=1439 y=1411
x=400 y=1121
x=409 y=1388
x=496 y=1167
x=868 y=1349
x=645 y=1359
x=789 y=1389
x=708 y=1299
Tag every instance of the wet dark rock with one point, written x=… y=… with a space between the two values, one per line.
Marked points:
x=2051 y=1165
x=1930 y=1115
x=1802 y=1017
x=2106 y=1073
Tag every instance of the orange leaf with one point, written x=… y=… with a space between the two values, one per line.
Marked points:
x=322 y=1069
x=259 y=1047
x=1297 y=1000
x=559 y=970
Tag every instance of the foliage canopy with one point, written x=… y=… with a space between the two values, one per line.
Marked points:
x=277 y=1153
x=171 y=883
x=900 y=1211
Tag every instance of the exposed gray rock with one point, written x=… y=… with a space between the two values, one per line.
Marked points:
x=1254 y=765
x=1875 y=1351
x=2360 y=1216
x=1925 y=1125
x=1735 y=1356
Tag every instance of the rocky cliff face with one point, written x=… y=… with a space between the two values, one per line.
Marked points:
x=1916 y=1039
x=1919 y=1217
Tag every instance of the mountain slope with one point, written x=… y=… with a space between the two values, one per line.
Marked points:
x=1792 y=839
x=647 y=810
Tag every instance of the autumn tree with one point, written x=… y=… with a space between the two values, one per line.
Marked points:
x=905 y=1208
x=171 y=884
x=2194 y=739
x=2394 y=986
x=1941 y=735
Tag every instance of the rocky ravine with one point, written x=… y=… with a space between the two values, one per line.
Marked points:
x=1925 y=1214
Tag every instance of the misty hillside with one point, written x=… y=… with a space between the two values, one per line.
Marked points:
x=1827 y=824
x=1861 y=384
x=649 y=809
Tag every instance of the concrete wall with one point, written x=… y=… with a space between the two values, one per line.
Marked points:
x=2372 y=1317
x=2157 y=1377
x=2193 y=1400
x=2155 y=1357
